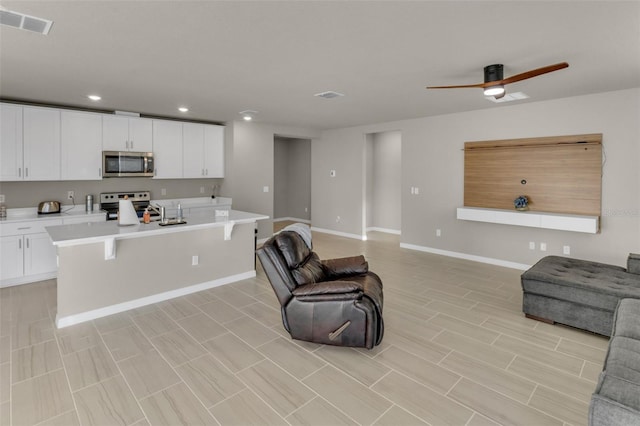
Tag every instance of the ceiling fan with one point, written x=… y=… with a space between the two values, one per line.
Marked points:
x=494 y=82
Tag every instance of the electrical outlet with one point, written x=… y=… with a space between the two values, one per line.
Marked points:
x=163 y=191
x=202 y=189
x=416 y=190
x=543 y=246
x=438 y=233
x=306 y=209
x=566 y=249
x=265 y=189
x=332 y=173
x=337 y=219
x=194 y=260
x=70 y=195
x=1 y=198
x=532 y=245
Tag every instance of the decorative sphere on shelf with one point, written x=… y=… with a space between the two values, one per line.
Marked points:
x=521 y=203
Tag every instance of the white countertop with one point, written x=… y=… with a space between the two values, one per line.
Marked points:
x=86 y=233
x=31 y=213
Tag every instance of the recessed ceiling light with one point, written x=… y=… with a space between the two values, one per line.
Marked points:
x=248 y=115
x=94 y=97
x=183 y=109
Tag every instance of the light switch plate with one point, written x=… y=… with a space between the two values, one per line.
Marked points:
x=265 y=189
x=332 y=173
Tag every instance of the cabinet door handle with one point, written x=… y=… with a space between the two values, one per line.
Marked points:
x=20 y=244
x=24 y=227
x=206 y=172
x=131 y=144
x=27 y=242
x=19 y=171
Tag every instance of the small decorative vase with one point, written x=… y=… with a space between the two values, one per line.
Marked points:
x=521 y=203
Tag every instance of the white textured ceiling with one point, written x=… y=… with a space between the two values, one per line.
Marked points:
x=222 y=57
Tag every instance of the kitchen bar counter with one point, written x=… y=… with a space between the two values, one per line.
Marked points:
x=70 y=235
x=148 y=263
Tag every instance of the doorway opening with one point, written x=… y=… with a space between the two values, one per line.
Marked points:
x=383 y=182
x=291 y=181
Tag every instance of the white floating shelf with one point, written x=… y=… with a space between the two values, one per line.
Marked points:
x=562 y=222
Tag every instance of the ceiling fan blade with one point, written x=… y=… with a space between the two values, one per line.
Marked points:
x=456 y=87
x=534 y=73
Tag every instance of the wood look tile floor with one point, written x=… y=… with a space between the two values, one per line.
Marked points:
x=457 y=350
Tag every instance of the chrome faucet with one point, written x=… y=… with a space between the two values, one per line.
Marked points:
x=160 y=210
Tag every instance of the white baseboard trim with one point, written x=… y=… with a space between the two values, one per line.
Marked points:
x=28 y=279
x=340 y=234
x=293 y=219
x=385 y=230
x=69 y=320
x=481 y=259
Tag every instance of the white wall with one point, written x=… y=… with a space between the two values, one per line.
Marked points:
x=432 y=159
x=251 y=167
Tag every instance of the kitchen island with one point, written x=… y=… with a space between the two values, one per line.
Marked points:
x=104 y=268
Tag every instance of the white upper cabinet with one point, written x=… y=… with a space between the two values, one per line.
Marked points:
x=30 y=143
x=41 y=143
x=126 y=133
x=167 y=149
x=10 y=142
x=214 y=151
x=203 y=151
x=192 y=150
x=81 y=145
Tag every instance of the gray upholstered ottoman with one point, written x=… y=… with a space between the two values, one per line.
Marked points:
x=616 y=400
x=577 y=292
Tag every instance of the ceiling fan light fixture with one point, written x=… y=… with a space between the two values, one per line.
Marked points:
x=496 y=90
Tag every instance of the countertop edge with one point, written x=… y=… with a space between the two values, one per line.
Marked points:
x=59 y=242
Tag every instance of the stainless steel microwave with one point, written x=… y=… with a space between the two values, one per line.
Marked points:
x=127 y=164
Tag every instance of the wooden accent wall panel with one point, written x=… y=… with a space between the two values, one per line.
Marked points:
x=563 y=174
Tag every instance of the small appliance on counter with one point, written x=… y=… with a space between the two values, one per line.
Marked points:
x=48 y=207
x=89 y=203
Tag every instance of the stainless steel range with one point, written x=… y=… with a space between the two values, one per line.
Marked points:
x=139 y=199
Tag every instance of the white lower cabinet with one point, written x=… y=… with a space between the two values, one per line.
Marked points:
x=39 y=254
x=27 y=255
x=12 y=258
x=27 y=252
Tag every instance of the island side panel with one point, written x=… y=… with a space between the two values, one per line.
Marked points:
x=150 y=266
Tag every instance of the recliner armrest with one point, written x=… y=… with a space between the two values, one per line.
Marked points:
x=326 y=287
x=354 y=265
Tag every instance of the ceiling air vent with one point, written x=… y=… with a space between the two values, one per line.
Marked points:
x=328 y=95
x=25 y=22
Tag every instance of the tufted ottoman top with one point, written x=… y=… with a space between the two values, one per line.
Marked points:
x=581 y=281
